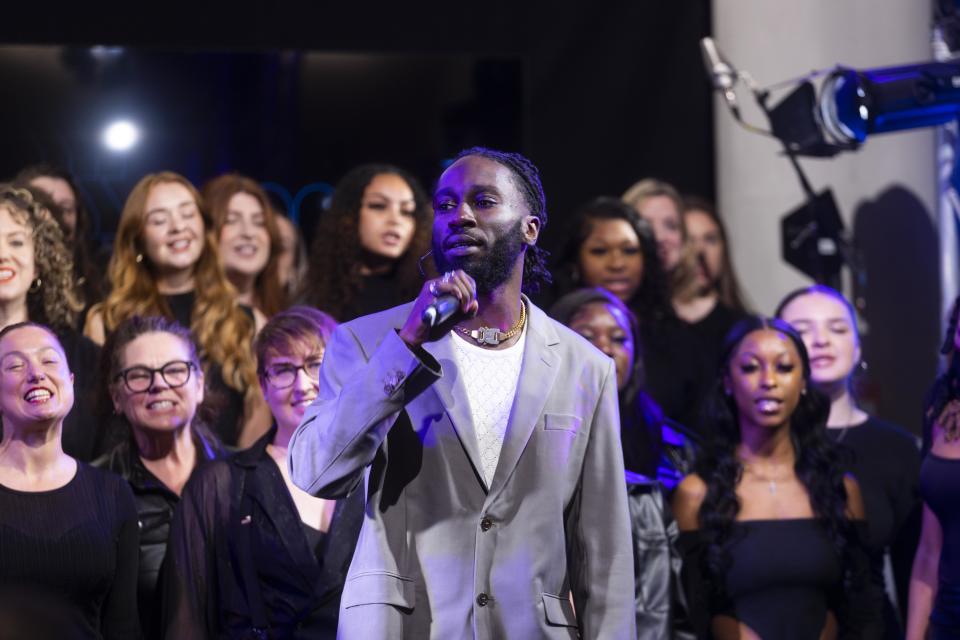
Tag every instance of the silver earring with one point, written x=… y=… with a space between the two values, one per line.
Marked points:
x=35 y=286
x=139 y=258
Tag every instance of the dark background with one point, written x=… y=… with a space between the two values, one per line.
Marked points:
x=597 y=96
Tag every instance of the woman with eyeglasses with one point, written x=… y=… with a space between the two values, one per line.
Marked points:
x=250 y=554
x=156 y=388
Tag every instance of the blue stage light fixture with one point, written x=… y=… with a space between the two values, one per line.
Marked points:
x=855 y=104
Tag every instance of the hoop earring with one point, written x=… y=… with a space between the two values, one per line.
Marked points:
x=423 y=274
x=139 y=258
x=35 y=286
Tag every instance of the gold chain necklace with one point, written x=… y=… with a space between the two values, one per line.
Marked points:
x=492 y=336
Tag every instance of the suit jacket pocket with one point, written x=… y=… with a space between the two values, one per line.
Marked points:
x=559 y=611
x=558 y=422
x=378 y=588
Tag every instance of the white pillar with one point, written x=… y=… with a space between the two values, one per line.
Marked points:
x=775 y=41
x=778 y=40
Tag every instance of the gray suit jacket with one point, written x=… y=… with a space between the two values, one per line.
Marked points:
x=441 y=555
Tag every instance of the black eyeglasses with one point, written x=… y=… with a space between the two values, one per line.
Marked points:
x=284 y=375
x=175 y=373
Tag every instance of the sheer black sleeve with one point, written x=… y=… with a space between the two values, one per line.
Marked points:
x=190 y=584
x=119 y=618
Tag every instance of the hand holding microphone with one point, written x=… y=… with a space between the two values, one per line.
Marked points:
x=442 y=302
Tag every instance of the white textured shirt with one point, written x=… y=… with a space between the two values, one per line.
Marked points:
x=489 y=378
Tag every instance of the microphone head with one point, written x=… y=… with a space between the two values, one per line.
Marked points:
x=430 y=316
x=722 y=74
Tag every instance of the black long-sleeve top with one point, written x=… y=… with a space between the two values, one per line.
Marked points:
x=885 y=460
x=76 y=545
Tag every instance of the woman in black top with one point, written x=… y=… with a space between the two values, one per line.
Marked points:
x=769 y=522
x=250 y=553
x=883 y=457
x=366 y=250
x=67 y=530
x=38 y=284
x=156 y=388
x=611 y=246
x=935 y=582
x=165 y=263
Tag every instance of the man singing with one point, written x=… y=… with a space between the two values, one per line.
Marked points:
x=489 y=445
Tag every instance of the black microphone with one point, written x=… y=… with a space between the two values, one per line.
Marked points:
x=440 y=310
x=722 y=74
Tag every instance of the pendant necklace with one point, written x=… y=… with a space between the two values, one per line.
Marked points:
x=492 y=336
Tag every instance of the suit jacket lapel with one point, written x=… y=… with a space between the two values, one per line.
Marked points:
x=452 y=395
x=282 y=512
x=537 y=375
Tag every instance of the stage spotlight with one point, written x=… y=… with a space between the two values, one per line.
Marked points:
x=120 y=136
x=855 y=104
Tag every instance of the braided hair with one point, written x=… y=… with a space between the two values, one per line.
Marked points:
x=526 y=178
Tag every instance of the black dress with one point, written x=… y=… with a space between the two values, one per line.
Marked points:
x=225 y=403
x=238 y=551
x=155 y=504
x=782 y=578
x=78 y=546
x=940 y=488
x=885 y=460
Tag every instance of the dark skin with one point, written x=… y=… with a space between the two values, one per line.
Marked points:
x=476 y=202
x=765 y=365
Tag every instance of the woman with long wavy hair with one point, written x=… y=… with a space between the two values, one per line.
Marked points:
x=165 y=263
x=367 y=246
x=249 y=241
x=770 y=524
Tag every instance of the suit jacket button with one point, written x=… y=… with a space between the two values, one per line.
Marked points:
x=485 y=524
x=483 y=599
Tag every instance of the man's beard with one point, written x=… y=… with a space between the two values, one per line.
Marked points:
x=490 y=269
